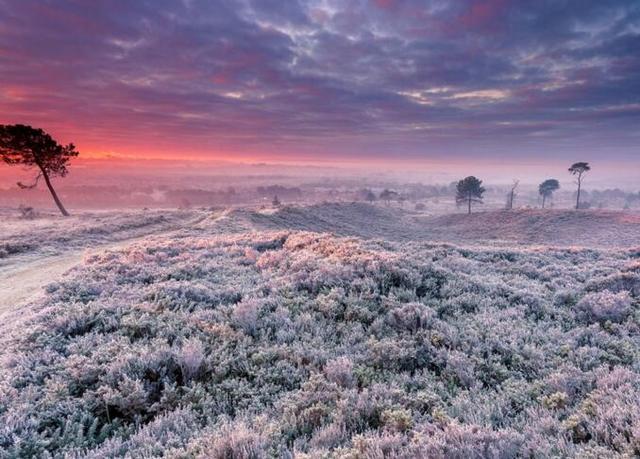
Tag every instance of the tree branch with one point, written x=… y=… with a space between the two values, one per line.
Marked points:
x=33 y=185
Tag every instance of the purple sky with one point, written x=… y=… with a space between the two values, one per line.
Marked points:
x=382 y=79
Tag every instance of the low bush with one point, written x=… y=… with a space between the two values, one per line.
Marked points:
x=285 y=344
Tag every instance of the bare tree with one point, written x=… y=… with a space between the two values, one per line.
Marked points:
x=511 y=197
x=24 y=145
x=578 y=170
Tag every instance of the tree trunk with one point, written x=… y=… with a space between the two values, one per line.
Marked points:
x=63 y=211
x=544 y=198
x=469 y=213
x=578 y=197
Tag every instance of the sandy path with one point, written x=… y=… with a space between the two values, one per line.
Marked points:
x=24 y=279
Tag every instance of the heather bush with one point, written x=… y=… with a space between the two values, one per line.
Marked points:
x=231 y=441
x=284 y=344
x=603 y=306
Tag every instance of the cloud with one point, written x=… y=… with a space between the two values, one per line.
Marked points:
x=381 y=77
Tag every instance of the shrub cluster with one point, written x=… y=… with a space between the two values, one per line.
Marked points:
x=292 y=343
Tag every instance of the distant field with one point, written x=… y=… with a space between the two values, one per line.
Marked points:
x=255 y=333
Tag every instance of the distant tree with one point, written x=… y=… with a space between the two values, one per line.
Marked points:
x=34 y=148
x=367 y=195
x=511 y=197
x=468 y=191
x=402 y=198
x=276 y=202
x=388 y=195
x=631 y=200
x=547 y=188
x=578 y=170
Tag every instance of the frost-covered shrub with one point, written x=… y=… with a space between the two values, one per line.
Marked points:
x=628 y=280
x=340 y=371
x=190 y=358
x=397 y=419
x=284 y=344
x=245 y=315
x=27 y=213
x=411 y=316
x=603 y=306
x=609 y=416
x=232 y=441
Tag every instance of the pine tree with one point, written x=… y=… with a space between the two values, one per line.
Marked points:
x=468 y=191
x=27 y=146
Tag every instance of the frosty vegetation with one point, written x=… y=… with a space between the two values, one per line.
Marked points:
x=286 y=343
x=592 y=228
x=45 y=235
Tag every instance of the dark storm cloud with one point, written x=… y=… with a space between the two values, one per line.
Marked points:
x=403 y=77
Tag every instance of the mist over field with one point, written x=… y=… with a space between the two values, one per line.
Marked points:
x=170 y=185
x=318 y=229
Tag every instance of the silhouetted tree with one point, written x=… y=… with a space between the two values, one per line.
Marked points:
x=276 y=202
x=388 y=195
x=511 y=197
x=469 y=190
x=547 y=188
x=367 y=195
x=579 y=169
x=27 y=146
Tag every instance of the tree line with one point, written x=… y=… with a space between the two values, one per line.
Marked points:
x=470 y=190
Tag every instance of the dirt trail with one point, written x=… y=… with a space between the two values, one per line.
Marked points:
x=24 y=279
x=23 y=282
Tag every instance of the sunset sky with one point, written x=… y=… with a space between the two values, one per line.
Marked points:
x=324 y=80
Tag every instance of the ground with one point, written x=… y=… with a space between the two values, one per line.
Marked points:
x=335 y=330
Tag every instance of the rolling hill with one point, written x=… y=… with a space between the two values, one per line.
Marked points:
x=587 y=228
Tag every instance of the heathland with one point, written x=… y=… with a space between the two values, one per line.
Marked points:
x=331 y=330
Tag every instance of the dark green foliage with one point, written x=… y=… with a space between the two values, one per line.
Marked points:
x=469 y=190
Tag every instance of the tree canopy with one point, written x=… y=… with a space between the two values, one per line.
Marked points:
x=31 y=147
x=388 y=195
x=579 y=169
x=469 y=190
x=547 y=188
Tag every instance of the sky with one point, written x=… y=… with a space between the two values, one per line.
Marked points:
x=500 y=81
